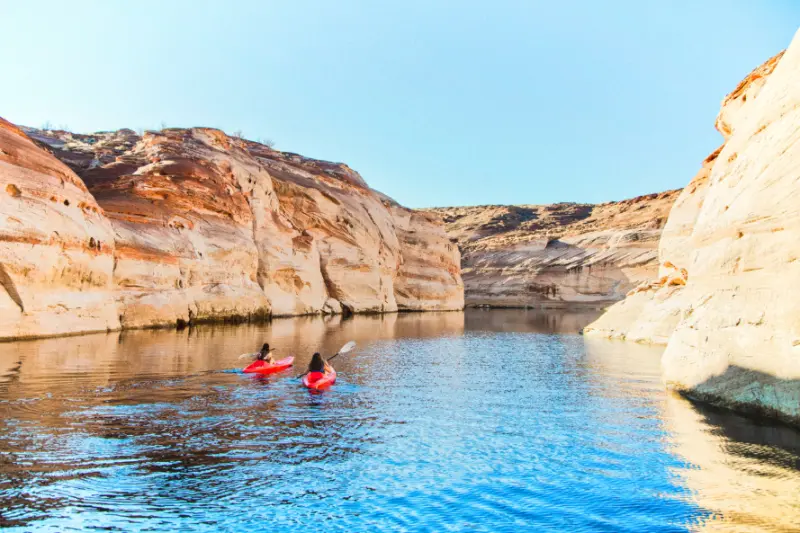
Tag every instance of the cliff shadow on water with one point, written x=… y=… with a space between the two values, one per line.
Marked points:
x=753 y=393
x=748 y=438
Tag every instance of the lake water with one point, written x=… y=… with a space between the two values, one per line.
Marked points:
x=478 y=421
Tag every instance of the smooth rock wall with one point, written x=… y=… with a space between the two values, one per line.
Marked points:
x=728 y=304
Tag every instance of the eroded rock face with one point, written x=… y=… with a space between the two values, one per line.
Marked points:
x=734 y=333
x=374 y=255
x=735 y=104
x=348 y=230
x=429 y=276
x=650 y=316
x=56 y=246
x=557 y=255
x=192 y=225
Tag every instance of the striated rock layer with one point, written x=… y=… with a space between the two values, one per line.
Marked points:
x=733 y=331
x=119 y=230
x=557 y=255
x=56 y=246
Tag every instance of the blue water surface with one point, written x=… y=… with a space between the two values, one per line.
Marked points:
x=500 y=421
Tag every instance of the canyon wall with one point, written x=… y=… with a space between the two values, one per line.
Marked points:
x=559 y=255
x=120 y=230
x=56 y=246
x=732 y=327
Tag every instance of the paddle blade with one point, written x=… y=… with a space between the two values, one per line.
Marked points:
x=247 y=355
x=347 y=347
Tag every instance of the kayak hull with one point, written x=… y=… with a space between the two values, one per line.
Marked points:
x=264 y=369
x=319 y=381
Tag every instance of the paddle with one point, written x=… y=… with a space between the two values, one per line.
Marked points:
x=254 y=354
x=344 y=349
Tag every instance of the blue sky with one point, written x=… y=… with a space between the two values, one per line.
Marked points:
x=434 y=102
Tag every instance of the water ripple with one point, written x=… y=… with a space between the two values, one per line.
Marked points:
x=448 y=431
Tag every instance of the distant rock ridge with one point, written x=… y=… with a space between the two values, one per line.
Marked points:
x=119 y=230
x=732 y=330
x=558 y=255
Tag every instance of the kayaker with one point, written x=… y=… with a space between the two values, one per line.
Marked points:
x=265 y=354
x=318 y=364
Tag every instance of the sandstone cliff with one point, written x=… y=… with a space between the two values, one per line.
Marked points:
x=116 y=230
x=557 y=255
x=733 y=331
x=56 y=246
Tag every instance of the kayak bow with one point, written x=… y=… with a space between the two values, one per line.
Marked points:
x=264 y=368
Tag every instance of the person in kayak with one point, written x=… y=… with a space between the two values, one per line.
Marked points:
x=318 y=364
x=265 y=354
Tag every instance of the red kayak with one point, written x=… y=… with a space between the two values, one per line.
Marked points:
x=264 y=368
x=319 y=380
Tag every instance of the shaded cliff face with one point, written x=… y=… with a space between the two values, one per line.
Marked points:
x=187 y=225
x=557 y=255
x=732 y=331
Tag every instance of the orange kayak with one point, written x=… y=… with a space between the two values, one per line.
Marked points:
x=264 y=368
x=319 y=380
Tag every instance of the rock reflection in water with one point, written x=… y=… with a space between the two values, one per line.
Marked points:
x=530 y=320
x=159 y=402
x=745 y=473
x=158 y=430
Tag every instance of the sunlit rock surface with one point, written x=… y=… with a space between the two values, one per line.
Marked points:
x=557 y=255
x=187 y=225
x=56 y=246
x=733 y=330
x=651 y=310
x=429 y=277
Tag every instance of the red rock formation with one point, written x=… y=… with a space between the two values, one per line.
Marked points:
x=211 y=227
x=429 y=277
x=56 y=246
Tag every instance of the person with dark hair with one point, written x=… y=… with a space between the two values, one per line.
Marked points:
x=265 y=354
x=318 y=364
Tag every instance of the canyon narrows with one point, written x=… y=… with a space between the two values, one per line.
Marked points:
x=117 y=230
x=709 y=271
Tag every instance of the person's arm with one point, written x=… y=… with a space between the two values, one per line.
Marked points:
x=328 y=367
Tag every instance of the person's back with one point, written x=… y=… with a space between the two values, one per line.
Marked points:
x=318 y=364
x=265 y=354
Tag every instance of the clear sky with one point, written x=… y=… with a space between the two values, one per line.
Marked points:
x=435 y=102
